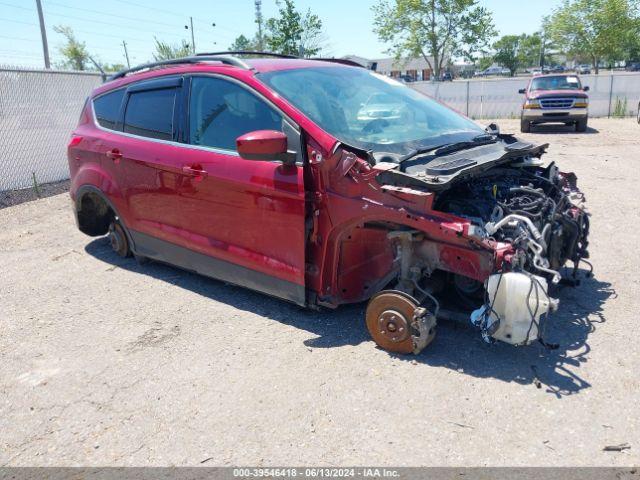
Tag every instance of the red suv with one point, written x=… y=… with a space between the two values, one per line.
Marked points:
x=278 y=174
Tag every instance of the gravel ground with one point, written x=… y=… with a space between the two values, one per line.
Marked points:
x=107 y=362
x=10 y=198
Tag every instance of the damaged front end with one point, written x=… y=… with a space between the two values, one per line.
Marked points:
x=531 y=218
x=540 y=213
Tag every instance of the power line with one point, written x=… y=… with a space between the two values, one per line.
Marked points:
x=85 y=19
x=21 y=39
x=17 y=6
x=173 y=13
x=108 y=14
x=11 y=20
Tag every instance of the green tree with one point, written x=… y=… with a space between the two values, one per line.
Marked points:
x=518 y=51
x=243 y=43
x=484 y=62
x=631 y=45
x=595 y=29
x=113 y=67
x=531 y=49
x=167 y=51
x=76 y=56
x=291 y=33
x=434 y=29
x=508 y=52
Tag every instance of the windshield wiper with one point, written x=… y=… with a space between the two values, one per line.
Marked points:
x=482 y=139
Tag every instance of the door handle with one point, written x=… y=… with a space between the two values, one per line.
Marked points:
x=114 y=154
x=194 y=171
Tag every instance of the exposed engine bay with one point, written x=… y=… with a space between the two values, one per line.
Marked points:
x=532 y=216
x=540 y=213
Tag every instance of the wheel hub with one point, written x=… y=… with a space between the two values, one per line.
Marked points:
x=118 y=239
x=396 y=322
x=115 y=240
x=393 y=325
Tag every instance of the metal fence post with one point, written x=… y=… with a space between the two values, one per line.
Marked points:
x=468 y=82
x=482 y=99
x=610 y=95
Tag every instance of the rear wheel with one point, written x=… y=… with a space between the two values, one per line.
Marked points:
x=638 y=112
x=118 y=239
x=581 y=125
x=525 y=126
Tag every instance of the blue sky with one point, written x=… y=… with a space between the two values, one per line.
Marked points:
x=103 y=25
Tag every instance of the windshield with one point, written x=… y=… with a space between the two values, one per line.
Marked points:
x=562 y=82
x=370 y=111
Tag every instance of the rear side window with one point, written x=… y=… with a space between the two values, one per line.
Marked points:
x=220 y=111
x=149 y=113
x=107 y=108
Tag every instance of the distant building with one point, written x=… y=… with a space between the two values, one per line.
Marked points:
x=416 y=69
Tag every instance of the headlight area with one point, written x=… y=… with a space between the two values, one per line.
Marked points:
x=532 y=105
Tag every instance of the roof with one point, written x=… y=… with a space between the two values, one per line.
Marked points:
x=272 y=62
x=214 y=63
x=543 y=75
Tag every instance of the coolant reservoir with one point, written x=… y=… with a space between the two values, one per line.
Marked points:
x=509 y=297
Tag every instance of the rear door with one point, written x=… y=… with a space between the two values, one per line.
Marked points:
x=148 y=158
x=248 y=215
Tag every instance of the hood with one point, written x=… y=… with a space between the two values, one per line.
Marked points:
x=439 y=173
x=575 y=93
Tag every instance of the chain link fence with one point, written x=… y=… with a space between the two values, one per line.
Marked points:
x=40 y=108
x=617 y=95
x=38 y=111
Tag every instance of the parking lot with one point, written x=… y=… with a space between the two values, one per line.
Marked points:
x=107 y=362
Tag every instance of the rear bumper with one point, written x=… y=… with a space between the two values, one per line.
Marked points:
x=552 y=115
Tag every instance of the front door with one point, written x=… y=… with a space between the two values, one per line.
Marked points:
x=247 y=215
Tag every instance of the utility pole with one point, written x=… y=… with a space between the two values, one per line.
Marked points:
x=126 y=53
x=193 y=39
x=43 y=33
x=542 y=50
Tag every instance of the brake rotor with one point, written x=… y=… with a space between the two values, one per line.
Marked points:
x=389 y=317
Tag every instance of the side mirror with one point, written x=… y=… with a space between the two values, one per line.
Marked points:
x=492 y=129
x=265 y=145
x=522 y=91
x=586 y=89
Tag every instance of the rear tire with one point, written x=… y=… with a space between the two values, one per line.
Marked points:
x=581 y=125
x=638 y=113
x=525 y=126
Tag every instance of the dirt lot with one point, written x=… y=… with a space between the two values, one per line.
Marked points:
x=106 y=362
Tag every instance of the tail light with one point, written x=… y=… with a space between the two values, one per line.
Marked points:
x=75 y=141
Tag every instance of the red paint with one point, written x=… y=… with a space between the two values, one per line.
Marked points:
x=311 y=225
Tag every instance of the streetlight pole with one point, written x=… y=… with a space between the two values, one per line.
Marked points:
x=43 y=34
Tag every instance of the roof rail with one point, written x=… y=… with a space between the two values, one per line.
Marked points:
x=342 y=61
x=249 y=52
x=178 y=61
